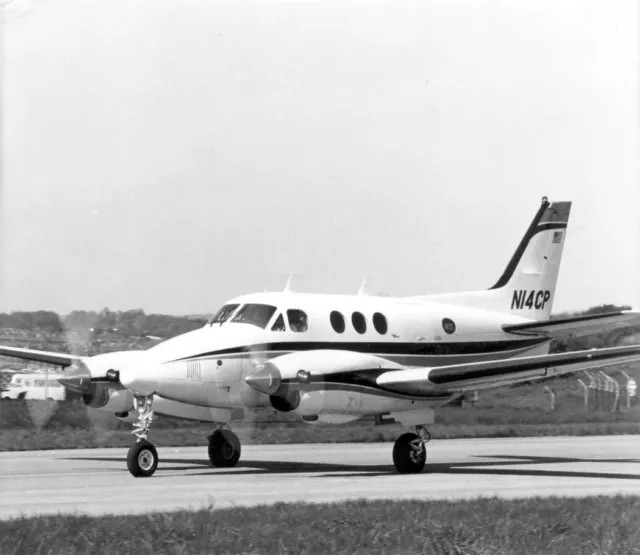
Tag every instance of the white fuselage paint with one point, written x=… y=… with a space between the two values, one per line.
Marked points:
x=207 y=367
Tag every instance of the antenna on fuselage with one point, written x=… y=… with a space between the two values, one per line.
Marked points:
x=364 y=288
x=288 y=288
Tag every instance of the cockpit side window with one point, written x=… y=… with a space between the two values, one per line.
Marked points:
x=255 y=314
x=278 y=325
x=223 y=314
x=298 y=320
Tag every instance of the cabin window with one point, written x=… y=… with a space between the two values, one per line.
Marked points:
x=223 y=314
x=278 y=325
x=297 y=320
x=448 y=325
x=337 y=321
x=254 y=314
x=359 y=322
x=380 y=323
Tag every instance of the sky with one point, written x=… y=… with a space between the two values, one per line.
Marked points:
x=170 y=155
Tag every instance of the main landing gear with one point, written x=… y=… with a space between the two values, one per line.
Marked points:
x=142 y=458
x=409 y=451
x=224 y=448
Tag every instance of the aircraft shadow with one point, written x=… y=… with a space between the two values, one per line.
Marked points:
x=508 y=465
x=252 y=467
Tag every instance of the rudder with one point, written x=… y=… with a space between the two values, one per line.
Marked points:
x=527 y=285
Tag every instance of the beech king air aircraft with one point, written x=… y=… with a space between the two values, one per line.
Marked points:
x=337 y=358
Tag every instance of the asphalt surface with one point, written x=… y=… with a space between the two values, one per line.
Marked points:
x=96 y=481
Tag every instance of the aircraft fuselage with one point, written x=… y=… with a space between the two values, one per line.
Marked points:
x=207 y=367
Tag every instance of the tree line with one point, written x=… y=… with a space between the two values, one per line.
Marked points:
x=132 y=324
x=128 y=323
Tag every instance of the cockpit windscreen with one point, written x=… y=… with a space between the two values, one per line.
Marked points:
x=223 y=314
x=256 y=314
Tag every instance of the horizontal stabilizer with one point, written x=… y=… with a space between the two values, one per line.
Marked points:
x=563 y=328
x=419 y=381
x=58 y=359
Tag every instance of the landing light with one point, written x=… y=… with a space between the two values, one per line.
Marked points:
x=304 y=376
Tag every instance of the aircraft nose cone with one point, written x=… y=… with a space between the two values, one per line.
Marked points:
x=76 y=378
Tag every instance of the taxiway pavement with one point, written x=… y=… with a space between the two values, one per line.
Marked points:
x=96 y=481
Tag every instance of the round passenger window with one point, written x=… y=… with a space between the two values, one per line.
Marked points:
x=337 y=321
x=448 y=325
x=359 y=322
x=380 y=323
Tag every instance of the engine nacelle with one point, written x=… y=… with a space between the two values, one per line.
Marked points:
x=253 y=399
x=109 y=398
x=280 y=373
x=306 y=366
x=99 y=365
x=334 y=406
x=286 y=400
x=331 y=418
x=329 y=402
x=300 y=382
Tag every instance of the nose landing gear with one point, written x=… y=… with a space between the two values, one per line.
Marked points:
x=409 y=451
x=142 y=458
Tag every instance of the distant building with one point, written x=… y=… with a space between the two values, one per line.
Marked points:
x=35 y=386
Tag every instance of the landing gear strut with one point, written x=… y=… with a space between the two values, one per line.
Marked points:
x=224 y=448
x=409 y=452
x=142 y=458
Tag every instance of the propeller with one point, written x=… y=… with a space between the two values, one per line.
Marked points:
x=74 y=341
x=257 y=407
x=81 y=339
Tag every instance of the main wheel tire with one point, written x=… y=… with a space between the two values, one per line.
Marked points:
x=142 y=459
x=224 y=449
x=405 y=457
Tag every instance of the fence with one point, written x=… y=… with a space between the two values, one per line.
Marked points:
x=603 y=392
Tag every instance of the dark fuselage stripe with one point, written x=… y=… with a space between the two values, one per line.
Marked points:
x=372 y=389
x=382 y=349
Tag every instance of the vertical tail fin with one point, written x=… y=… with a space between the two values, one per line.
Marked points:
x=528 y=283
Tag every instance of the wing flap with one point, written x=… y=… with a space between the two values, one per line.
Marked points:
x=58 y=359
x=426 y=380
x=563 y=328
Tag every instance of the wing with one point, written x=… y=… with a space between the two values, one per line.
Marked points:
x=564 y=328
x=479 y=375
x=59 y=359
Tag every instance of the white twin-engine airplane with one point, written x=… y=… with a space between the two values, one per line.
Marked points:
x=337 y=358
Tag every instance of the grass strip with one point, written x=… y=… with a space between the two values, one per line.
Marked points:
x=38 y=425
x=28 y=440
x=602 y=525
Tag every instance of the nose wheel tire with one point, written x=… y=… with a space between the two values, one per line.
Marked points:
x=142 y=459
x=409 y=454
x=224 y=449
